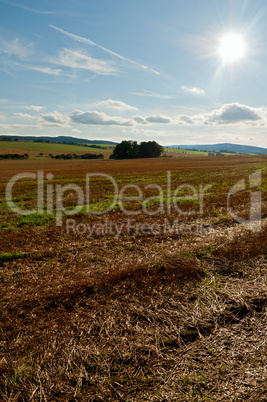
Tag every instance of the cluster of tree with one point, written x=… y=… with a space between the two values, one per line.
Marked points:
x=131 y=150
x=185 y=149
x=215 y=153
x=8 y=139
x=14 y=156
x=93 y=146
x=227 y=152
x=75 y=156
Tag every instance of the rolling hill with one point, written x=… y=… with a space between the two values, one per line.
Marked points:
x=224 y=147
x=60 y=139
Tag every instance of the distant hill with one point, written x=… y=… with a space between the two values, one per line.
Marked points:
x=61 y=139
x=224 y=147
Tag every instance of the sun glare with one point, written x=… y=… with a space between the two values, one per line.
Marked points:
x=232 y=48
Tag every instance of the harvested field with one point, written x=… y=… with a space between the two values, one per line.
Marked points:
x=149 y=313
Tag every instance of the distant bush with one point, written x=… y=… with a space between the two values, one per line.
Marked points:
x=215 y=153
x=14 y=156
x=75 y=156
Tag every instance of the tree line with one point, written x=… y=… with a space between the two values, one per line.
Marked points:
x=128 y=149
x=75 y=156
x=79 y=144
x=14 y=156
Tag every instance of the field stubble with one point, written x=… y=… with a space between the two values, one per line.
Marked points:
x=142 y=317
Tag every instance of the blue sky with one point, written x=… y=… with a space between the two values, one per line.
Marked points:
x=141 y=70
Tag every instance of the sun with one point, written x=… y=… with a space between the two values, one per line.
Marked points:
x=232 y=47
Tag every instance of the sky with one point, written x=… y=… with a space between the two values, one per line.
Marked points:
x=173 y=71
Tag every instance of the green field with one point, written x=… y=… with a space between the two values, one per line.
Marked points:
x=42 y=147
x=191 y=152
x=185 y=151
x=26 y=146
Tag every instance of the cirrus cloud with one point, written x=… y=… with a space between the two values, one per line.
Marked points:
x=145 y=92
x=193 y=90
x=118 y=105
x=46 y=70
x=15 y=48
x=35 y=108
x=26 y=116
x=90 y=42
x=80 y=60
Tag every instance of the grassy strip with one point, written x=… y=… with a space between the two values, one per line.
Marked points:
x=25 y=146
x=11 y=256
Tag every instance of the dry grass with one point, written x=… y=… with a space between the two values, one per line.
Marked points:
x=162 y=317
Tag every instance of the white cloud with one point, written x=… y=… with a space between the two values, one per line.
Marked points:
x=227 y=114
x=25 y=116
x=157 y=119
x=98 y=118
x=46 y=70
x=140 y=119
x=77 y=60
x=233 y=113
x=147 y=133
x=116 y=105
x=186 y=119
x=89 y=42
x=55 y=118
x=242 y=116
x=17 y=126
x=15 y=48
x=193 y=90
x=160 y=119
x=32 y=10
x=151 y=94
x=49 y=120
x=35 y=108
